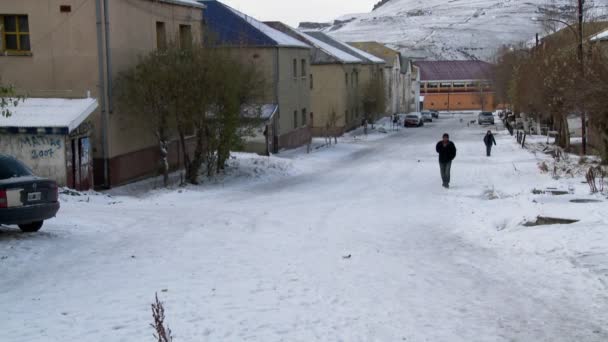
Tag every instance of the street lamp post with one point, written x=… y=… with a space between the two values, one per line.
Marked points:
x=581 y=60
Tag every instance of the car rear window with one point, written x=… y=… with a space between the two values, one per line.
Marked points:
x=412 y=116
x=487 y=114
x=10 y=168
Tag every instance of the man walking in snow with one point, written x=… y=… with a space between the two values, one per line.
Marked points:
x=447 y=153
x=489 y=140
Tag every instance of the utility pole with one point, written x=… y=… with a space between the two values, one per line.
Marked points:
x=581 y=59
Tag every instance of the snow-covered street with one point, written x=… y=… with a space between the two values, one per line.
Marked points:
x=357 y=242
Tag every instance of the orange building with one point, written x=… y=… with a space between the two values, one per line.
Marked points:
x=456 y=85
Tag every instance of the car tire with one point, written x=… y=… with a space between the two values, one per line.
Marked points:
x=31 y=227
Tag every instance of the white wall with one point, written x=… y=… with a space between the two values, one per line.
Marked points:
x=44 y=154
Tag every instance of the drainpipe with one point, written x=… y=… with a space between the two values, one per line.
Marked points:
x=277 y=70
x=106 y=16
x=102 y=90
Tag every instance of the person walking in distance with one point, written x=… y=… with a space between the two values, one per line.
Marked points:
x=447 y=152
x=489 y=140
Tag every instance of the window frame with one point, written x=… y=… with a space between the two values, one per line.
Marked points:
x=161 y=35
x=304 y=67
x=185 y=42
x=18 y=34
x=304 y=117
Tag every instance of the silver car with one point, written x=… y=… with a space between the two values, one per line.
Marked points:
x=427 y=116
x=485 y=118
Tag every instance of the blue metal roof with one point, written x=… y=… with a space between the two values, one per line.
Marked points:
x=234 y=28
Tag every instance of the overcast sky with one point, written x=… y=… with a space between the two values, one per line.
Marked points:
x=292 y=12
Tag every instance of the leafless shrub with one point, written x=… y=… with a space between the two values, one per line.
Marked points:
x=594 y=175
x=163 y=333
x=543 y=167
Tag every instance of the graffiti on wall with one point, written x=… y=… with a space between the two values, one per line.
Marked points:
x=41 y=147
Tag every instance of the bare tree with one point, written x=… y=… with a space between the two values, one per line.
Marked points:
x=142 y=91
x=374 y=99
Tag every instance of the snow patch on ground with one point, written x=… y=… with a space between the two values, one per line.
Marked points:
x=353 y=242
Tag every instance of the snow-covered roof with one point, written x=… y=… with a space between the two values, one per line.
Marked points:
x=332 y=51
x=64 y=115
x=264 y=111
x=190 y=3
x=600 y=36
x=235 y=28
x=369 y=56
x=336 y=44
x=321 y=53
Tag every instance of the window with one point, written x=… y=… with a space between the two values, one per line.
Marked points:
x=311 y=82
x=15 y=32
x=11 y=168
x=185 y=36
x=295 y=68
x=161 y=36
x=295 y=119
x=304 y=117
x=352 y=79
x=346 y=76
x=304 y=68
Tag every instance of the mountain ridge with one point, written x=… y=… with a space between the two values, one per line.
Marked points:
x=453 y=29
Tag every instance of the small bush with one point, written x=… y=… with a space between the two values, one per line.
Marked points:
x=163 y=333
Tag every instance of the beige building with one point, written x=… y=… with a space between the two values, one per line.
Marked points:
x=397 y=81
x=349 y=84
x=285 y=65
x=337 y=77
x=72 y=49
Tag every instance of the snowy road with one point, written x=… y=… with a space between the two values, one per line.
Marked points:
x=361 y=244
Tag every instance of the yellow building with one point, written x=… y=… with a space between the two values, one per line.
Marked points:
x=72 y=49
x=338 y=74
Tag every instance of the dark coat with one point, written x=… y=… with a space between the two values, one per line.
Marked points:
x=447 y=153
x=489 y=140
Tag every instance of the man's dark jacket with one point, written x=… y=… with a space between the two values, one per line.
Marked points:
x=447 y=153
x=489 y=140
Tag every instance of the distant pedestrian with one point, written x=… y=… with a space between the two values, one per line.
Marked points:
x=447 y=152
x=489 y=141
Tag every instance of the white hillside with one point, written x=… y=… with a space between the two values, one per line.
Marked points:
x=451 y=29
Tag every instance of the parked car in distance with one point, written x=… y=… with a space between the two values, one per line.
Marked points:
x=434 y=114
x=485 y=118
x=25 y=199
x=413 y=120
x=427 y=116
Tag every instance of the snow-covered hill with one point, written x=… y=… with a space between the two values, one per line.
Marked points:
x=451 y=29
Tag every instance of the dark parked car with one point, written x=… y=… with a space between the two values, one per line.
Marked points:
x=485 y=118
x=25 y=199
x=435 y=114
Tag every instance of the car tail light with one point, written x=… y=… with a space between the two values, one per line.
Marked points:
x=3 y=199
